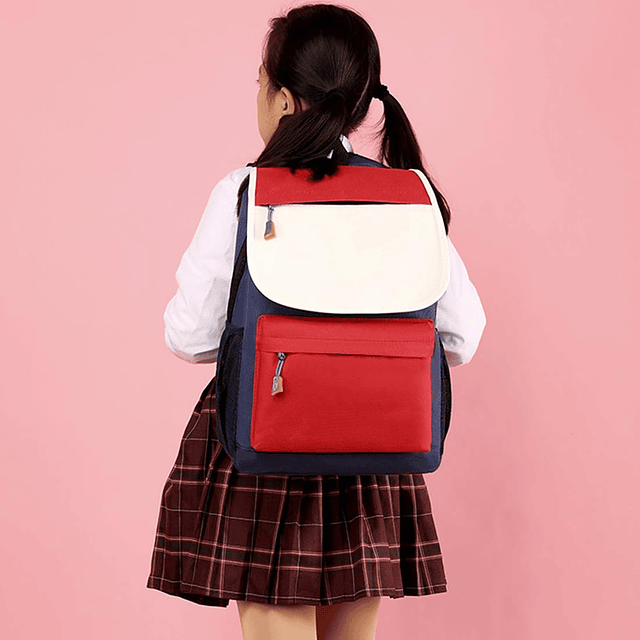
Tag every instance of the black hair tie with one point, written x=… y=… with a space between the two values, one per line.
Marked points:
x=334 y=93
x=381 y=92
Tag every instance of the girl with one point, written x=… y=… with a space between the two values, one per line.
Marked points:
x=301 y=555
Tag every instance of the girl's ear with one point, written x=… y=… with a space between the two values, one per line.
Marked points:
x=288 y=104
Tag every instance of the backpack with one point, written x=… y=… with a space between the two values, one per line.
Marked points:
x=329 y=362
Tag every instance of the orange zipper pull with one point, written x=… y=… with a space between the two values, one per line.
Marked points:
x=270 y=229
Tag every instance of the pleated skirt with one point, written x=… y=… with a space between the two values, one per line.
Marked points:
x=225 y=535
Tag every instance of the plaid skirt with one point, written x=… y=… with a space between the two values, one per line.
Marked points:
x=316 y=540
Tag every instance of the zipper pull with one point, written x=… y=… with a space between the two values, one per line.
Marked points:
x=270 y=229
x=276 y=386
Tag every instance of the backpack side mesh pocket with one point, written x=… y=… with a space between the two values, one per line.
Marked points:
x=227 y=385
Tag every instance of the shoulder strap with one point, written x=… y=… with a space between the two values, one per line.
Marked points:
x=238 y=270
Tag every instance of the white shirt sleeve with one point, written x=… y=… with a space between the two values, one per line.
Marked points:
x=460 y=318
x=195 y=317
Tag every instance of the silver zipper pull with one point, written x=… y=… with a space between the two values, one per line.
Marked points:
x=276 y=385
x=270 y=229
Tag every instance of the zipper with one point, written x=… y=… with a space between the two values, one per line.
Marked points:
x=276 y=385
x=270 y=226
x=270 y=229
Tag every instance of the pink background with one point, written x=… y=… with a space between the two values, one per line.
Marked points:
x=119 y=118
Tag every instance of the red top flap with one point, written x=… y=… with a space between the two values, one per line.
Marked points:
x=277 y=185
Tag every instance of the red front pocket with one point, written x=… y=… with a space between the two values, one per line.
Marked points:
x=344 y=384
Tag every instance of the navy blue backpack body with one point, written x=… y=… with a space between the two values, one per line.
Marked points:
x=330 y=362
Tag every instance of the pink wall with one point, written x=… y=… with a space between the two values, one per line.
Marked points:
x=119 y=117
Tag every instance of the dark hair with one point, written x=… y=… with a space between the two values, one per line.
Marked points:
x=329 y=57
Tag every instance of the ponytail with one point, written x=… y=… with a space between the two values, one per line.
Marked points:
x=305 y=138
x=399 y=146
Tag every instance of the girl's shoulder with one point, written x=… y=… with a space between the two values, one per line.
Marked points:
x=224 y=193
x=237 y=175
x=233 y=178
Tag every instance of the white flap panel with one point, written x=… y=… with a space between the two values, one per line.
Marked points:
x=351 y=259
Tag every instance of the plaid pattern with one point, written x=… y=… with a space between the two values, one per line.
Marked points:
x=224 y=535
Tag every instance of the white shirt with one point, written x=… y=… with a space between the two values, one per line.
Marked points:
x=195 y=317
